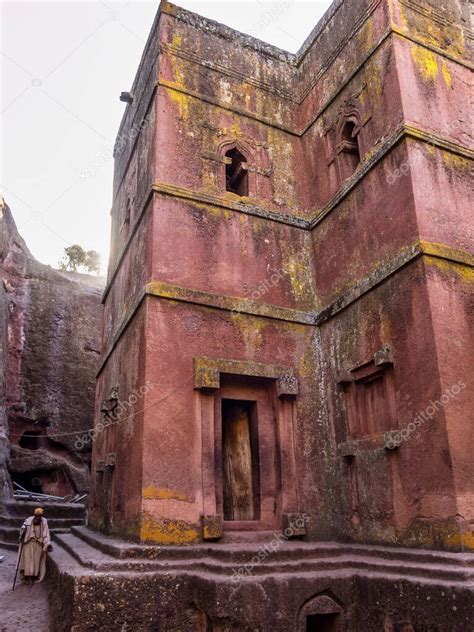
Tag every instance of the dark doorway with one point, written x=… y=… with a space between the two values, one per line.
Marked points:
x=31 y=481
x=30 y=440
x=241 y=493
x=322 y=623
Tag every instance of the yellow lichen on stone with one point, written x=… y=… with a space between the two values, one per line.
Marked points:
x=446 y=74
x=177 y=39
x=431 y=149
x=306 y=365
x=176 y=87
x=460 y=541
x=426 y=62
x=464 y=272
x=397 y=10
x=233 y=129
x=372 y=76
x=161 y=493
x=283 y=165
x=454 y=161
x=295 y=269
x=209 y=181
x=247 y=94
x=251 y=331
x=428 y=30
x=449 y=38
x=176 y=532
x=365 y=35
x=182 y=101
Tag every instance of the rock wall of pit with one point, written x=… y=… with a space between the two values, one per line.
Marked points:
x=50 y=333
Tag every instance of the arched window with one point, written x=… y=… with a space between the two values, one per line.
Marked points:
x=236 y=174
x=322 y=613
x=349 y=136
x=350 y=143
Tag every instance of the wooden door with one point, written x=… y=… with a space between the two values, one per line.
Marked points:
x=238 y=462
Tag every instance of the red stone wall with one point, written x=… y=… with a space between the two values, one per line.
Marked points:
x=354 y=280
x=117 y=479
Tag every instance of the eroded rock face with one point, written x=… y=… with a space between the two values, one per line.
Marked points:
x=50 y=328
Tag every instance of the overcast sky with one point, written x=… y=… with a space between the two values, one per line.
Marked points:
x=63 y=67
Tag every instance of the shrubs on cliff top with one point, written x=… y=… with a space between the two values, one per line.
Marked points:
x=75 y=258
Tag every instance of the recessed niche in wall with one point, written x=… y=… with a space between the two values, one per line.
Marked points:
x=370 y=400
x=349 y=151
x=322 y=622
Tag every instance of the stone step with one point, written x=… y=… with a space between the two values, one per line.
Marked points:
x=150 y=583
x=11 y=534
x=17 y=521
x=298 y=560
x=12 y=546
x=25 y=508
x=61 y=517
x=252 y=537
x=281 y=549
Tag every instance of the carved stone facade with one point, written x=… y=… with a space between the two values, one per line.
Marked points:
x=293 y=298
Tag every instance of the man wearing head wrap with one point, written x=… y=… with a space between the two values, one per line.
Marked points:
x=35 y=542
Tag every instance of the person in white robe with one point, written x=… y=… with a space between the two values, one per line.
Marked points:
x=35 y=542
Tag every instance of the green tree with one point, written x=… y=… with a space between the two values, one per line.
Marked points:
x=92 y=261
x=75 y=257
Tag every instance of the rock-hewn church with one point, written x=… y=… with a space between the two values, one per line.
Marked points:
x=284 y=403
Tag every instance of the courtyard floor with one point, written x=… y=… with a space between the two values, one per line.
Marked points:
x=24 y=609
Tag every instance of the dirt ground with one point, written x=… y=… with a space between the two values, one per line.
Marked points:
x=25 y=608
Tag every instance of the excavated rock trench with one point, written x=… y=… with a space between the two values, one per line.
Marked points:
x=50 y=332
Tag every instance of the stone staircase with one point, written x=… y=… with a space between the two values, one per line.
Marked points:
x=110 y=584
x=61 y=517
x=100 y=553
